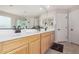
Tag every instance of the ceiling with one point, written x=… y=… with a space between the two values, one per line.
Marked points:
x=34 y=10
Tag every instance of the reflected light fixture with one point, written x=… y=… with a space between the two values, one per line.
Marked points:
x=47 y=6
x=40 y=8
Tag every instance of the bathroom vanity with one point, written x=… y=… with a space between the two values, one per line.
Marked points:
x=37 y=42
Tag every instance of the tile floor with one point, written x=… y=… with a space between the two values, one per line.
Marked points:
x=69 y=48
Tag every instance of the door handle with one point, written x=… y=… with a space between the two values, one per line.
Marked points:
x=59 y=29
x=72 y=29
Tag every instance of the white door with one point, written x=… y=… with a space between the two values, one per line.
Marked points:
x=74 y=26
x=61 y=27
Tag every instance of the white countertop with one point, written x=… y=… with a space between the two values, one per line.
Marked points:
x=10 y=35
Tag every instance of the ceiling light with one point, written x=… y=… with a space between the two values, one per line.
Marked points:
x=40 y=8
x=48 y=6
x=11 y=5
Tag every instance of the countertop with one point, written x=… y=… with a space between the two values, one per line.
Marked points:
x=10 y=35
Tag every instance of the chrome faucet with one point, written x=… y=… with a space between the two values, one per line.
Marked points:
x=17 y=29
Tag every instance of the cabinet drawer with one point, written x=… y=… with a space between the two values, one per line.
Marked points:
x=21 y=50
x=13 y=44
x=33 y=38
x=46 y=34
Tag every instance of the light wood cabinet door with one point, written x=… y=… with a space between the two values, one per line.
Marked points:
x=20 y=50
x=48 y=41
x=34 y=47
x=52 y=37
x=45 y=41
x=43 y=45
x=0 y=48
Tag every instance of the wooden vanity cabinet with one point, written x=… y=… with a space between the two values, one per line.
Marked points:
x=34 y=44
x=45 y=41
x=24 y=45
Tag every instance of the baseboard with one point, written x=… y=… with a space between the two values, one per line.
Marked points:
x=74 y=43
x=61 y=41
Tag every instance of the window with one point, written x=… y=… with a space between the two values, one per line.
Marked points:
x=5 y=22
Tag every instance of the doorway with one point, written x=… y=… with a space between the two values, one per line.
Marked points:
x=61 y=29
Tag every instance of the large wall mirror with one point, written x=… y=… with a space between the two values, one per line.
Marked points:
x=27 y=22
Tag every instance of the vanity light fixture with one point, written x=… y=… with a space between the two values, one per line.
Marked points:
x=11 y=5
x=48 y=6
